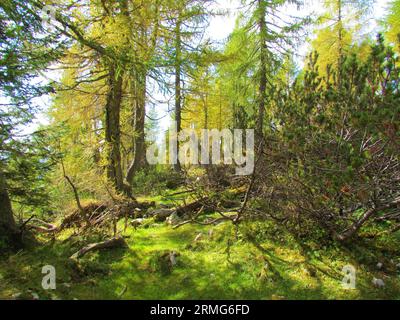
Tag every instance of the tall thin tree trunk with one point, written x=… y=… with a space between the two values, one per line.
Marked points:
x=139 y=142
x=178 y=89
x=112 y=129
x=340 y=45
x=263 y=70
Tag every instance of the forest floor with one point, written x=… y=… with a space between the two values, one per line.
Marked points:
x=214 y=266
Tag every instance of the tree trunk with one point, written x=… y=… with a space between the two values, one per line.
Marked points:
x=112 y=128
x=263 y=70
x=139 y=143
x=178 y=89
x=340 y=44
x=8 y=228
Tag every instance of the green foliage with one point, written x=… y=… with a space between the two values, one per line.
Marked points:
x=336 y=136
x=25 y=51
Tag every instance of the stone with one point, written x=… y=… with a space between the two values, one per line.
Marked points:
x=378 y=283
x=137 y=222
x=173 y=219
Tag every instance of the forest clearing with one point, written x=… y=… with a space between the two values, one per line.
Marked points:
x=199 y=150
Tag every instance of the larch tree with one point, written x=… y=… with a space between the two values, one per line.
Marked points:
x=342 y=27
x=393 y=23
x=274 y=38
x=187 y=23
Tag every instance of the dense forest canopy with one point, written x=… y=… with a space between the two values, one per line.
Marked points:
x=305 y=97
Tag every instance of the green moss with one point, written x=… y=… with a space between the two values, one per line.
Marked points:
x=279 y=268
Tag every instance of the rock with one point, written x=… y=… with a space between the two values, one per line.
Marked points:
x=160 y=214
x=137 y=222
x=378 y=283
x=173 y=219
x=379 y=265
x=198 y=237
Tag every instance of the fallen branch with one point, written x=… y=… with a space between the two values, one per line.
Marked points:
x=117 y=242
x=76 y=195
x=350 y=232
x=42 y=227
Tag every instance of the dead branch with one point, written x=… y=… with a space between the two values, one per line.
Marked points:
x=350 y=232
x=43 y=226
x=75 y=191
x=116 y=242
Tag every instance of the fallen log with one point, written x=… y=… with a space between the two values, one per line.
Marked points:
x=117 y=242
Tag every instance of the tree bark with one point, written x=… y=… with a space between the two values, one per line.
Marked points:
x=8 y=228
x=178 y=89
x=340 y=44
x=112 y=128
x=139 y=143
x=263 y=70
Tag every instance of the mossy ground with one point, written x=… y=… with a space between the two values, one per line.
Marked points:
x=218 y=266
